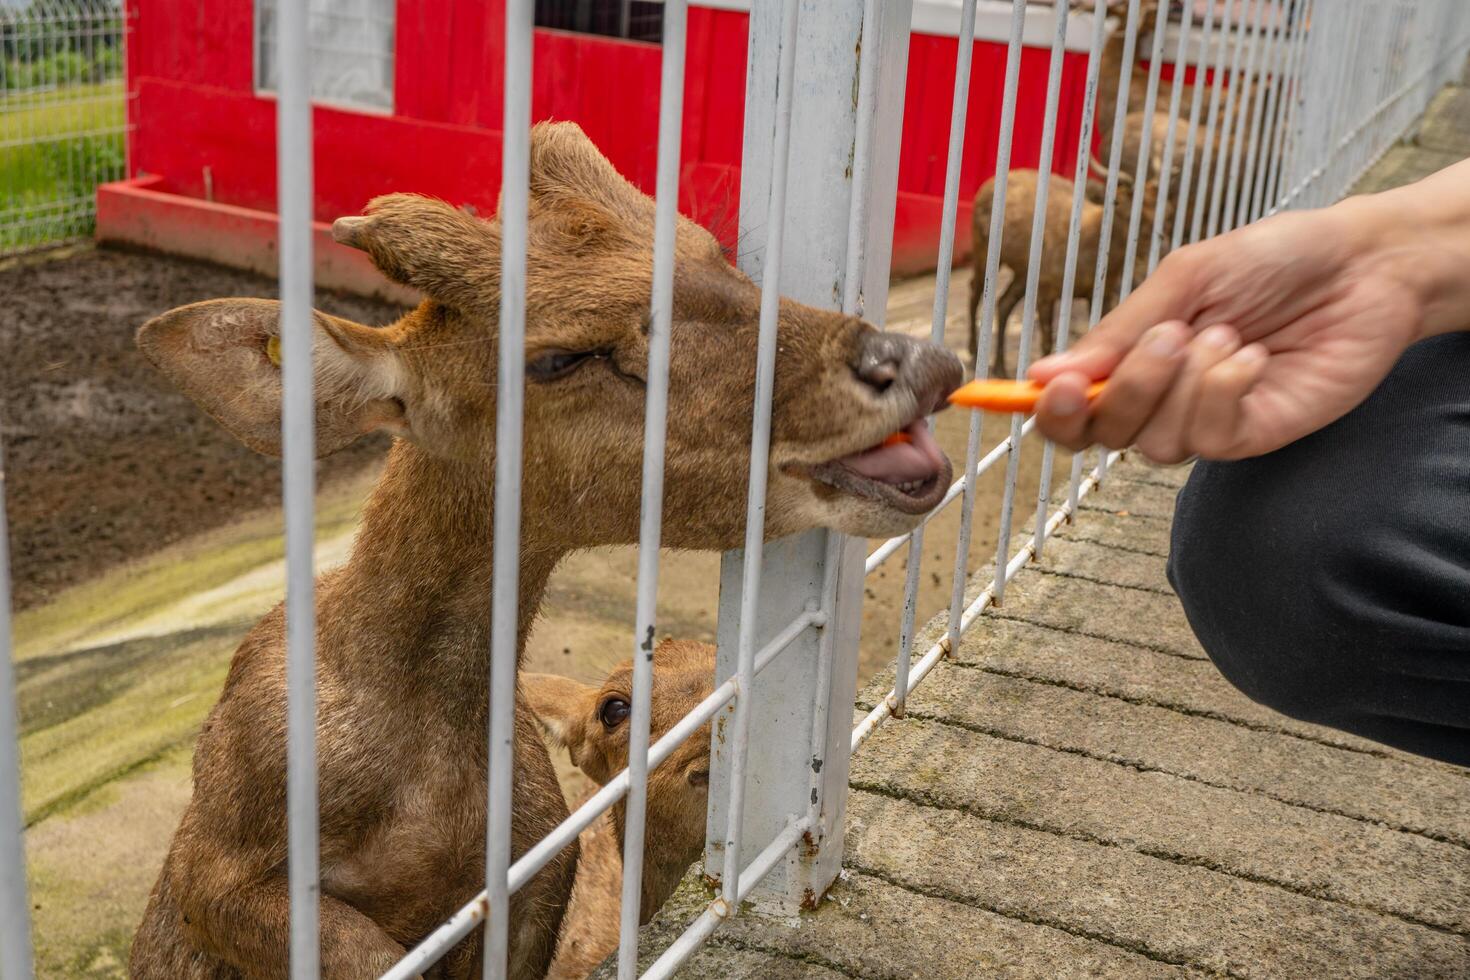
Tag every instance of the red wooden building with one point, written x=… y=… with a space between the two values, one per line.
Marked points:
x=409 y=98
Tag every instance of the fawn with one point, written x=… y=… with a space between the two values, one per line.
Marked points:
x=592 y=724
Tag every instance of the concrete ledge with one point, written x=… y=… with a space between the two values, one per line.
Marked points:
x=142 y=213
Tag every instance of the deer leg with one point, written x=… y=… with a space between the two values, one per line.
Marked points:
x=249 y=929
x=1003 y=309
x=976 y=285
x=1049 y=330
x=162 y=950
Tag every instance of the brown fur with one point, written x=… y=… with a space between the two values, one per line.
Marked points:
x=403 y=628
x=678 y=791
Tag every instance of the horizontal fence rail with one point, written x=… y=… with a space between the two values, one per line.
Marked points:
x=1257 y=106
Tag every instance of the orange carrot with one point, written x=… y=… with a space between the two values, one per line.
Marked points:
x=998 y=395
x=896 y=438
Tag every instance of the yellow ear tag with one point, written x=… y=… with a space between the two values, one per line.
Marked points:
x=273 y=350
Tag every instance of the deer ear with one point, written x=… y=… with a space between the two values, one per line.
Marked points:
x=226 y=355
x=560 y=706
x=565 y=163
x=424 y=243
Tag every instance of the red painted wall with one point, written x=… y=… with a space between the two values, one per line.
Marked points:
x=196 y=108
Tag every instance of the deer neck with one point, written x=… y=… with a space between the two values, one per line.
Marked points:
x=417 y=589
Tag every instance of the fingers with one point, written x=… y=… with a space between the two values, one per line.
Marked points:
x=1166 y=437
x=1139 y=385
x=1219 y=428
x=1169 y=294
x=1061 y=411
x=1134 y=391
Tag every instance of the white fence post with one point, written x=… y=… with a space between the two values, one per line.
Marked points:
x=15 y=906
x=802 y=703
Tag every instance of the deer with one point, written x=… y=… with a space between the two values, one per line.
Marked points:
x=591 y=723
x=1015 y=252
x=1111 y=73
x=1159 y=131
x=403 y=627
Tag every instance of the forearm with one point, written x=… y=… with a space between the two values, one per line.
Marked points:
x=1420 y=234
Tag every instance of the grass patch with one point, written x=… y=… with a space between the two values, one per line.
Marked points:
x=55 y=148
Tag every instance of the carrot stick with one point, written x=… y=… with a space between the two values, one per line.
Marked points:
x=897 y=438
x=998 y=395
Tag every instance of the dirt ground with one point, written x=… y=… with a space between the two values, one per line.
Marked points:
x=105 y=460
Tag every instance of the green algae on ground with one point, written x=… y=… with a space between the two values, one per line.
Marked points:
x=91 y=868
x=129 y=594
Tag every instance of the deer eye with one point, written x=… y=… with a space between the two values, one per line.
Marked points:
x=614 y=712
x=559 y=363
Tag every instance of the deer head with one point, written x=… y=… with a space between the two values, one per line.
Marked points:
x=592 y=724
x=841 y=387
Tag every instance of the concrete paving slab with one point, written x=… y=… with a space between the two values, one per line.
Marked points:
x=868 y=928
x=1147 y=619
x=1152 y=498
x=1404 y=164
x=1167 y=911
x=1191 y=686
x=1082 y=559
x=1146 y=538
x=1184 y=821
x=1279 y=766
x=1446 y=124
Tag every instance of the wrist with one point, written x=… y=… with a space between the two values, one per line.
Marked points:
x=1424 y=249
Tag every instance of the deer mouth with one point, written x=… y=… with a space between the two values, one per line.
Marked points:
x=909 y=473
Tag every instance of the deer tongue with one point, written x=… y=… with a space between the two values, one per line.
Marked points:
x=902 y=462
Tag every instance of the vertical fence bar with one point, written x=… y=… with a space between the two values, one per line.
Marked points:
x=1266 y=38
x=1033 y=281
x=1166 y=165
x=1187 y=172
x=862 y=165
x=1110 y=207
x=650 y=529
x=298 y=433
x=1145 y=152
x=15 y=906
x=835 y=228
x=1213 y=136
x=509 y=402
x=1249 y=88
x=1229 y=132
x=851 y=304
x=1327 y=58
x=1074 y=242
x=1282 y=49
x=1308 y=141
x=760 y=448
x=987 y=311
x=1341 y=102
x=1288 y=102
x=958 y=109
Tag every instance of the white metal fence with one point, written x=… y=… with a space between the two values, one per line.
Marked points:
x=1295 y=99
x=62 y=117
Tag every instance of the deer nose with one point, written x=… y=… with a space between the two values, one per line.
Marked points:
x=927 y=371
x=880 y=358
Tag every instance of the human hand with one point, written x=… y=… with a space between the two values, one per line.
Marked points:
x=1244 y=343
